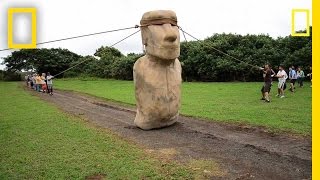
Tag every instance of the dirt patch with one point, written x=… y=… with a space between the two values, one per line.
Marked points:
x=165 y=154
x=221 y=151
x=204 y=169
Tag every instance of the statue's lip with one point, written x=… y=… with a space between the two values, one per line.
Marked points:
x=167 y=47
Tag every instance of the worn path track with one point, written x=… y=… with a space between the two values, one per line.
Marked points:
x=241 y=152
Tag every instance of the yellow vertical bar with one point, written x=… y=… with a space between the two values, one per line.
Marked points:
x=308 y=23
x=10 y=35
x=34 y=28
x=292 y=22
x=315 y=89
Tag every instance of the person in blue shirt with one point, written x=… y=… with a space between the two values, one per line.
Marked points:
x=292 y=77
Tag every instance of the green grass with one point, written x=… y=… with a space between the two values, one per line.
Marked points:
x=38 y=141
x=228 y=102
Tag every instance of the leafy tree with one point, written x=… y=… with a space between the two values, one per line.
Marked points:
x=40 y=60
x=122 y=68
x=107 y=51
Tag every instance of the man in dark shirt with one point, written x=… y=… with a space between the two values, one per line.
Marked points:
x=267 y=74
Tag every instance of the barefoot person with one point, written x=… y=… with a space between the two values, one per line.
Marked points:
x=282 y=76
x=300 y=76
x=43 y=82
x=49 y=83
x=267 y=83
x=264 y=75
x=38 y=83
x=310 y=76
x=292 y=77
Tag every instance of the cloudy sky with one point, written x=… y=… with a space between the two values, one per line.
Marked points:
x=61 y=18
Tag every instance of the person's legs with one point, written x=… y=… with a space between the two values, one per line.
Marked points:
x=292 y=81
x=266 y=96
x=279 y=88
x=267 y=87
x=43 y=87
x=262 y=93
x=282 y=89
x=50 y=88
x=282 y=93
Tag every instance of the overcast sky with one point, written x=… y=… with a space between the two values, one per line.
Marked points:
x=61 y=18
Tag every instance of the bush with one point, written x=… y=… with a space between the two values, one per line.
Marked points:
x=10 y=76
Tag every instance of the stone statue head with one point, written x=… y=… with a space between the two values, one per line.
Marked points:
x=160 y=34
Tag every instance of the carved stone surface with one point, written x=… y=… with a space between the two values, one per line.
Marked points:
x=157 y=75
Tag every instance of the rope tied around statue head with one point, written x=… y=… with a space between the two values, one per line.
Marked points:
x=158 y=21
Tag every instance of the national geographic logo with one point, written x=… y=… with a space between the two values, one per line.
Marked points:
x=23 y=11
x=293 y=15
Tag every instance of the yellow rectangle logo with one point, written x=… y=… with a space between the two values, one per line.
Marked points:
x=33 y=44
x=293 y=32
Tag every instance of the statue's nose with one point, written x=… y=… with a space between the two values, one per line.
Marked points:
x=170 y=33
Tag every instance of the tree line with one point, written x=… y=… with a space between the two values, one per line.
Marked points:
x=200 y=60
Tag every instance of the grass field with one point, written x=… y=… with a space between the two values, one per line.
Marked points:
x=228 y=102
x=37 y=141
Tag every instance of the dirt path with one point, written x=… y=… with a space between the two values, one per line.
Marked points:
x=241 y=153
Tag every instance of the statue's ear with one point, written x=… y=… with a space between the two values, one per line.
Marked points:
x=144 y=34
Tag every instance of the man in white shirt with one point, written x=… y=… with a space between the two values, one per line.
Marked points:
x=282 y=76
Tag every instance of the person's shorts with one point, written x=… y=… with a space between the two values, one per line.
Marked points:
x=49 y=86
x=281 y=84
x=293 y=81
x=266 y=87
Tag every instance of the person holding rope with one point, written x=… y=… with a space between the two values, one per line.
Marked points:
x=43 y=82
x=34 y=81
x=300 y=76
x=292 y=77
x=49 y=83
x=282 y=76
x=310 y=75
x=38 y=82
x=265 y=90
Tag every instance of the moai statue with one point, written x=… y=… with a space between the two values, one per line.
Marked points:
x=157 y=75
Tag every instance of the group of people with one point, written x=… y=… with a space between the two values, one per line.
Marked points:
x=41 y=83
x=294 y=76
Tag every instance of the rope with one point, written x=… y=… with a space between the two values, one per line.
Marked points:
x=184 y=35
x=89 y=59
x=80 y=36
x=184 y=32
